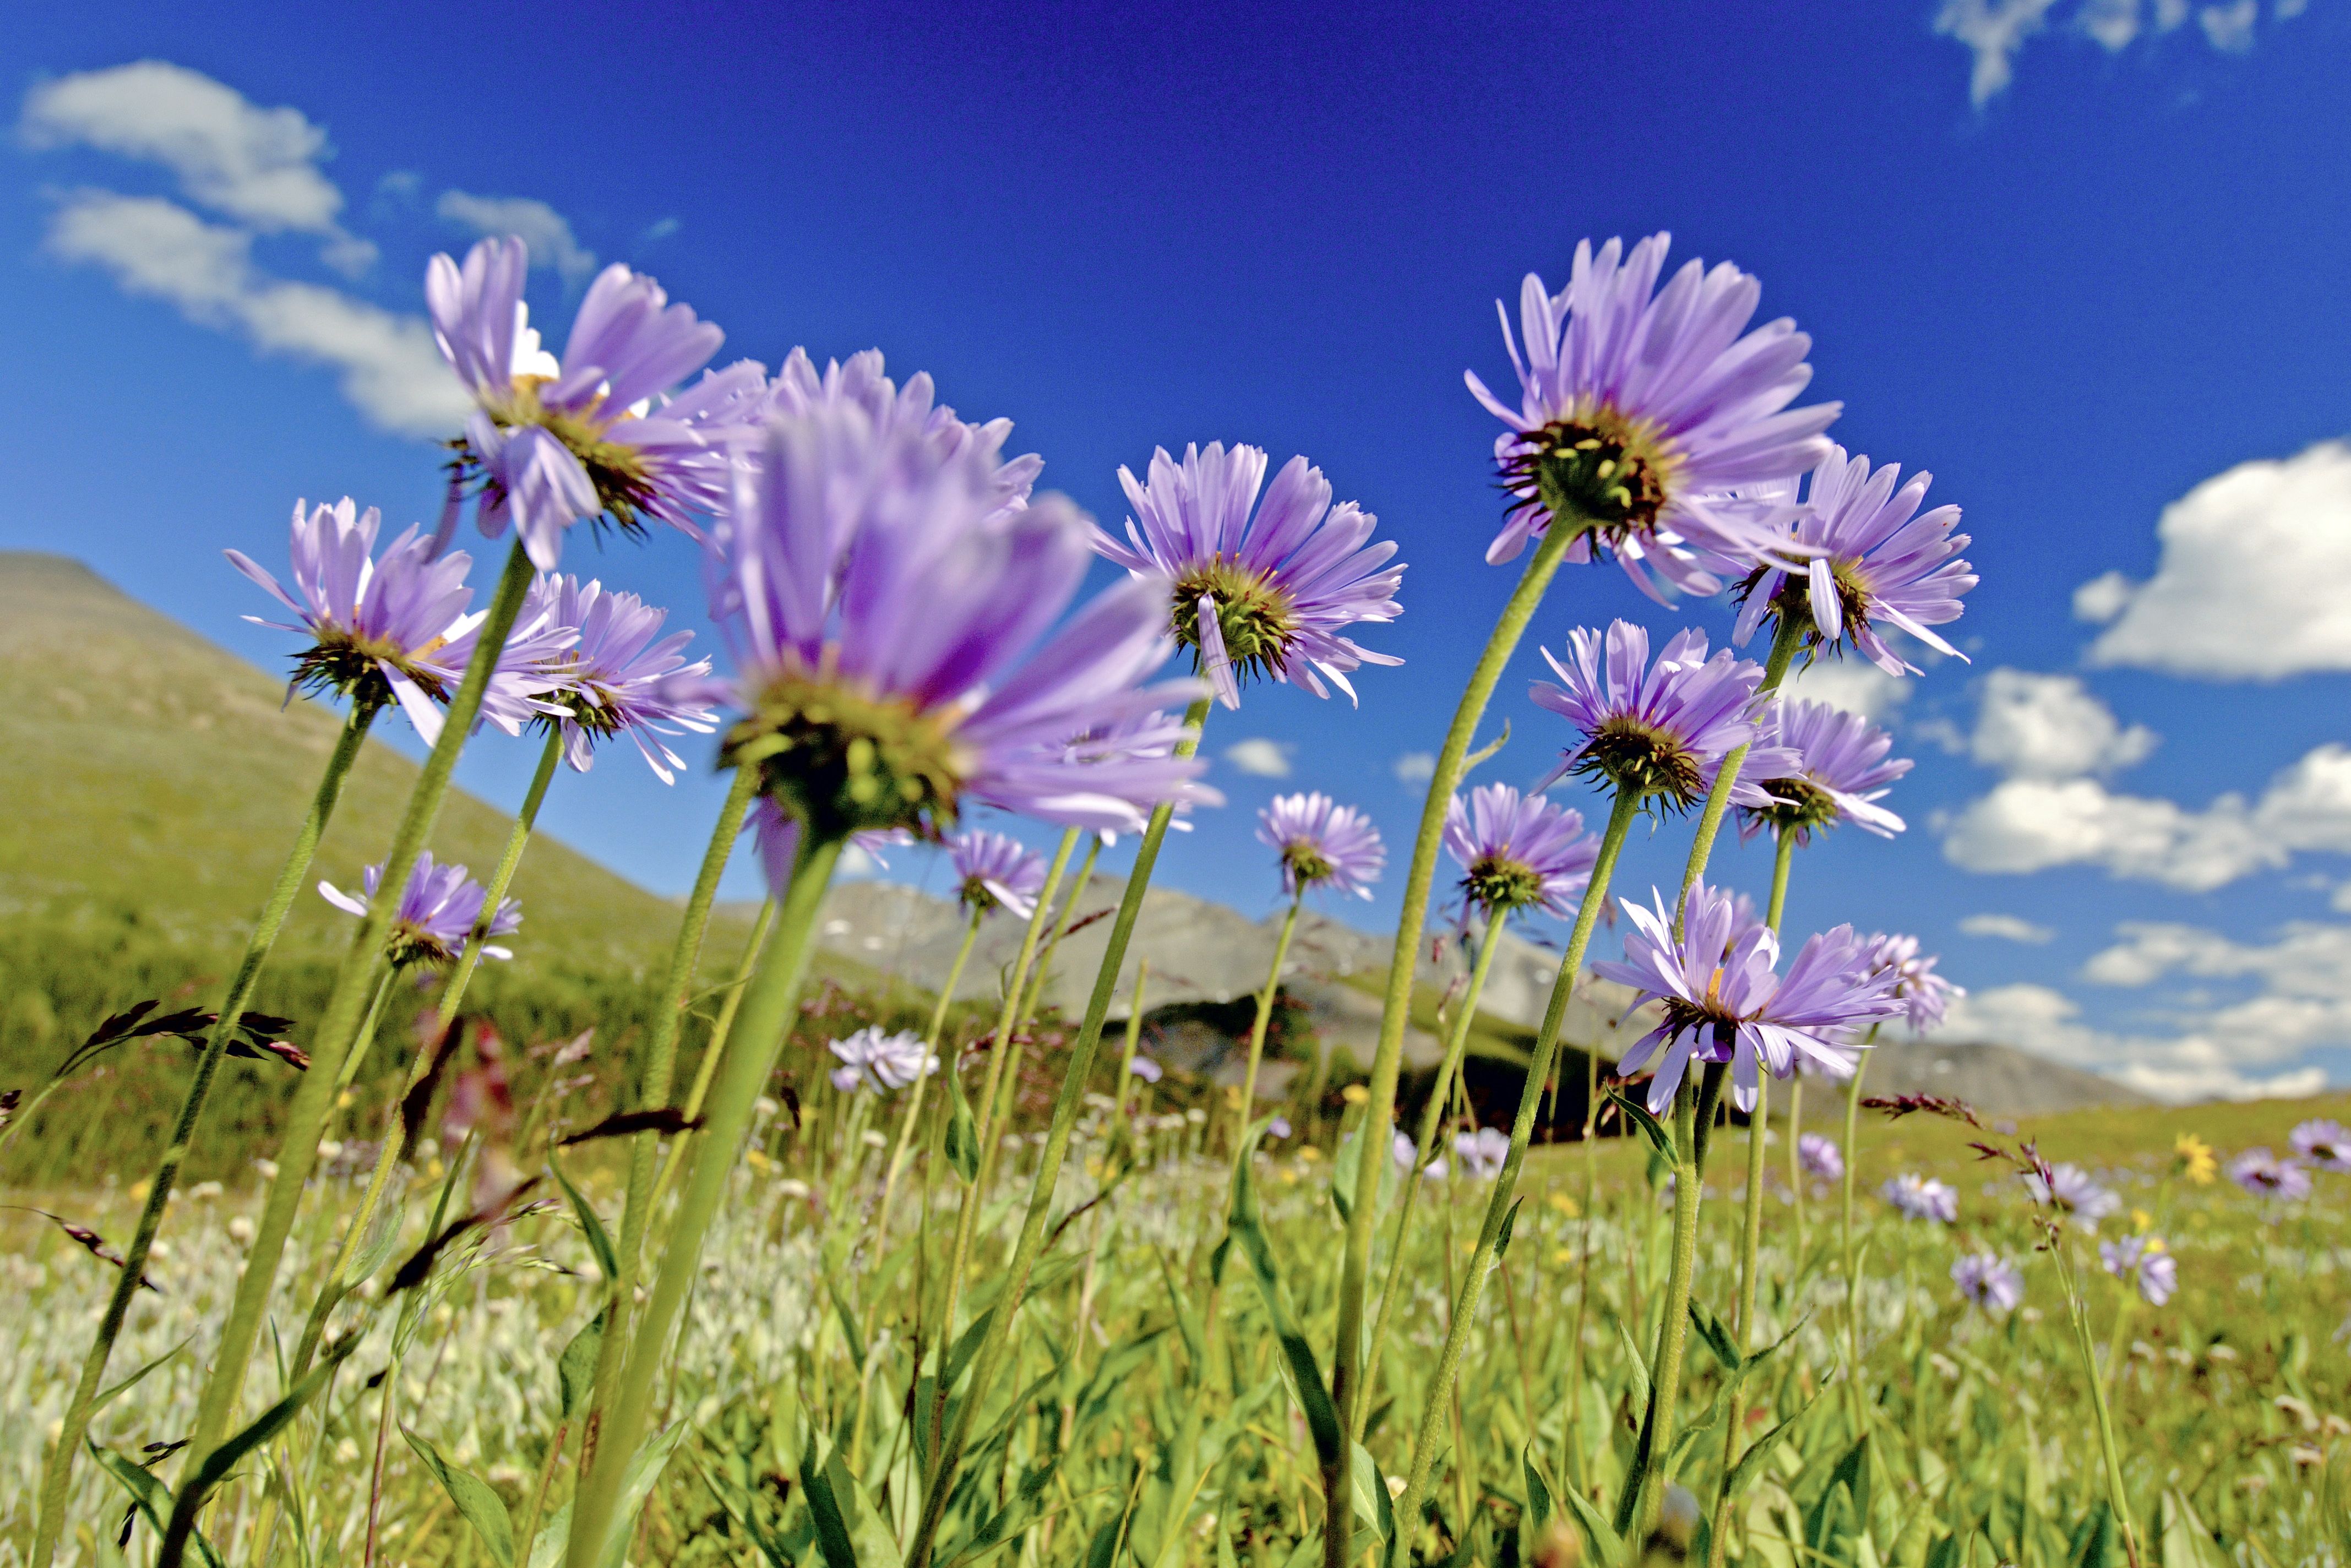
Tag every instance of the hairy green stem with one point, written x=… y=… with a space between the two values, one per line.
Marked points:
x=1396 y=1011
x=948 y=1450
x=769 y=1005
x=914 y=1098
x=56 y=1473
x=1785 y=643
x=306 y=1116
x=1851 y=1260
x=709 y=1065
x=1004 y=1062
x=1693 y=1110
x=1264 y=1018
x=1498 y=1205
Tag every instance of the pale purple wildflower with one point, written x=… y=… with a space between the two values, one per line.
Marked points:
x=1873 y=558
x=1655 y=417
x=1820 y=1157
x=2326 y=1145
x=438 y=910
x=1659 y=731
x=1916 y=1197
x=995 y=870
x=1322 y=844
x=1989 y=1282
x=1400 y=1149
x=2264 y=1175
x=2071 y=1190
x=799 y=388
x=395 y=628
x=1482 y=1153
x=1518 y=851
x=1842 y=772
x=1724 y=1003
x=556 y=443
x=879 y=602
x=876 y=1061
x=619 y=680
x=1279 y=1127
x=1265 y=597
x=1147 y=1069
x=1925 y=994
x=2142 y=1261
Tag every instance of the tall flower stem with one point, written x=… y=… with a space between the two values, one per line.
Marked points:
x=1785 y=643
x=949 y=1448
x=1796 y=1157
x=1396 y=1011
x=1003 y=1077
x=1498 y=1204
x=654 y=1087
x=1040 y=971
x=1751 y=1241
x=1264 y=1018
x=1694 y=1108
x=769 y=1004
x=708 y=1066
x=306 y=1116
x=1424 y=1144
x=915 y=1097
x=1852 y=1259
x=56 y=1474
x=2060 y=1247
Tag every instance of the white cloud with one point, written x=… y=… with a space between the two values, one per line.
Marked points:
x=2050 y=726
x=259 y=166
x=1416 y=768
x=388 y=365
x=1994 y=29
x=547 y=232
x=2254 y=581
x=1854 y=684
x=2007 y=928
x=2113 y=23
x=2230 y=29
x=1265 y=759
x=2210 y=1060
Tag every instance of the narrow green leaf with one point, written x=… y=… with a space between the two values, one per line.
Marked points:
x=1638 y=1115
x=1717 y=1338
x=1752 y=1460
x=824 y=1505
x=1187 y=1323
x=963 y=1134
x=148 y=1493
x=107 y=1397
x=216 y=1465
x=575 y=1371
x=1537 y=1511
x=1606 y=1545
x=475 y=1501
x=1313 y=1395
x=599 y=1241
x=1373 y=1504
x=1510 y=1221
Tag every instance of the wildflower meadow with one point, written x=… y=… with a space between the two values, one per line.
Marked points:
x=731 y=1260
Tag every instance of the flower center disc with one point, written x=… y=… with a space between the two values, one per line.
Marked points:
x=1253 y=615
x=1499 y=882
x=1307 y=865
x=845 y=761
x=1609 y=475
x=350 y=665
x=1799 y=806
x=624 y=483
x=1646 y=762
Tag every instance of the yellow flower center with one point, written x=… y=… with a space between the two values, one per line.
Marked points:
x=1598 y=470
x=844 y=760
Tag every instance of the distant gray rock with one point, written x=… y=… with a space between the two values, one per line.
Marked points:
x=1997 y=1080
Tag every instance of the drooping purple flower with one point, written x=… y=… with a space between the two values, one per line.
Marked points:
x=1654 y=418
x=1916 y=1197
x=2071 y=1190
x=875 y=1060
x=2145 y=1263
x=879 y=601
x=1265 y=596
x=1482 y=1153
x=1402 y=1149
x=556 y=443
x=995 y=870
x=1925 y=994
x=619 y=680
x=1322 y=844
x=1518 y=851
x=1873 y=559
x=1841 y=771
x=395 y=628
x=1989 y=1282
x=1820 y=1156
x=1659 y=731
x=438 y=909
x=1724 y=1002
x=2264 y=1175
x=2324 y=1144
x=1147 y=1069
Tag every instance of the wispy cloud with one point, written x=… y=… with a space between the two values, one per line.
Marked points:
x=547 y=232
x=2202 y=1061
x=2007 y=928
x=1416 y=768
x=1259 y=755
x=1995 y=31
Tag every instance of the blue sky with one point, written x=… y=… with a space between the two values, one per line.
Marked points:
x=2083 y=259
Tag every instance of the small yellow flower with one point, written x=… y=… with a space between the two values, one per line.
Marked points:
x=2141 y=1220
x=756 y=1159
x=1309 y=1154
x=2193 y=1159
x=1356 y=1094
x=1563 y=1204
x=343 y=1101
x=2154 y=1243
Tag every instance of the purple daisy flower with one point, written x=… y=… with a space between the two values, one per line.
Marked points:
x=875 y=1062
x=437 y=912
x=557 y=442
x=1989 y=1282
x=1147 y=1069
x=1840 y=773
x=995 y=870
x=1916 y=1197
x=1322 y=843
x=1518 y=851
x=1656 y=417
x=879 y=601
x=2144 y=1262
x=618 y=679
x=1482 y=1153
x=1264 y=596
x=1659 y=731
x=2264 y=1175
x=1400 y=1149
x=1820 y=1157
x=1724 y=1002
x=2326 y=1145
x=1925 y=994
x=2073 y=1190
x=799 y=387
x=1874 y=558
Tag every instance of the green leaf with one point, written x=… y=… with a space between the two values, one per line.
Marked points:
x=216 y=1465
x=1313 y=1395
x=2097 y=1542
x=148 y=1493
x=1503 y=1238
x=477 y=1502
x=107 y=1397
x=963 y=1135
x=1373 y=1504
x=824 y=1504
x=1752 y=1460
x=575 y=1370
x=599 y=1241
x=1606 y=1545
x=1638 y=1115
x=1225 y=1557
x=2183 y=1541
x=1188 y=1323
x=1717 y=1337
x=1537 y=1511
x=1636 y=1363
x=645 y=1467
